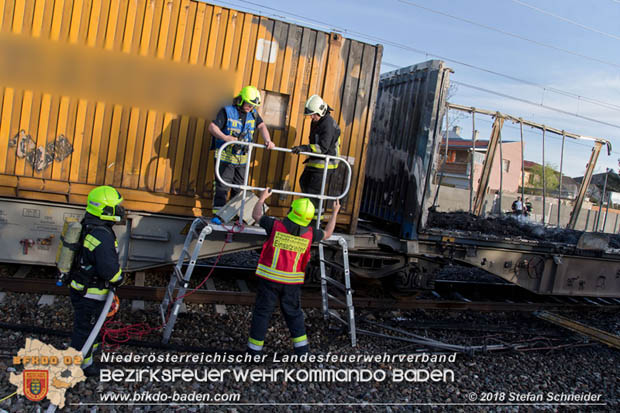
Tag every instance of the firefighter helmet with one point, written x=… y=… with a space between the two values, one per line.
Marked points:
x=103 y=202
x=315 y=106
x=302 y=212
x=249 y=94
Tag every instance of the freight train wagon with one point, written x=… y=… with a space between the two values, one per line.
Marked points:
x=121 y=93
x=403 y=176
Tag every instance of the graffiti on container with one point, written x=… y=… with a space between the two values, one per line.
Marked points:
x=43 y=156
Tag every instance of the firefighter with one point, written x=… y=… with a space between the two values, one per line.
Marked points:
x=236 y=122
x=324 y=139
x=96 y=267
x=281 y=269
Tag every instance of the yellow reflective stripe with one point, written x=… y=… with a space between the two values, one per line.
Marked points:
x=300 y=338
x=91 y=242
x=278 y=272
x=256 y=342
x=321 y=165
x=117 y=276
x=297 y=255
x=315 y=148
x=228 y=156
x=274 y=260
x=280 y=280
x=97 y=291
x=293 y=278
x=77 y=285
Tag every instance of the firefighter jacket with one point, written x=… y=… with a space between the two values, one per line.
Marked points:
x=243 y=131
x=324 y=139
x=97 y=260
x=284 y=256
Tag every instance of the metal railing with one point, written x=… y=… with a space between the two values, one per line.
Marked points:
x=245 y=187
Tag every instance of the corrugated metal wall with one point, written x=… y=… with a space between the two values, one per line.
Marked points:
x=403 y=145
x=57 y=147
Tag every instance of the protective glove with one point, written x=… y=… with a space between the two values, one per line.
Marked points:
x=117 y=283
x=301 y=148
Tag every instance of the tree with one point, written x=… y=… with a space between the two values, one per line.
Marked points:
x=552 y=177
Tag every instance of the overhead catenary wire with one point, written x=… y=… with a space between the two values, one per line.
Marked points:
x=567 y=20
x=507 y=33
x=317 y=23
x=533 y=135
x=559 y=110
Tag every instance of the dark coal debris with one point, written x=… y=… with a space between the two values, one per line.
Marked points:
x=506 y=226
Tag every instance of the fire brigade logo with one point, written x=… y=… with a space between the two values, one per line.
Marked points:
x=36 y=384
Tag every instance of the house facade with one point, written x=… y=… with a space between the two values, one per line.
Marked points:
x=457 y=167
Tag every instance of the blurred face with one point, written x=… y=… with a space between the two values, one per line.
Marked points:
x=246 y=107
x=315 y=117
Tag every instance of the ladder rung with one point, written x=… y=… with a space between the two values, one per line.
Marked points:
x=334 y=264
x=162 y=312
x=179 y=274
x=184 y=253
x=169 y=293
x=336 y=299
x=335 y=283
x=337 y=317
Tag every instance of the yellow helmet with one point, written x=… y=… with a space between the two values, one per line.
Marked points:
x=103 y=202
x=249 y=94
x=302 y=212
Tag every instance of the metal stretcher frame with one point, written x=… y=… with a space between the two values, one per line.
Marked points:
x=245 y=187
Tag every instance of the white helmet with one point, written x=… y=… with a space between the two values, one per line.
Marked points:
x=315 y=105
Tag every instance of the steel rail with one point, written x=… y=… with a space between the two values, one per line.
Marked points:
x=48 y=286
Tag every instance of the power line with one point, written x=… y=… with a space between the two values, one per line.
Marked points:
x=504 y=32
x=583 y=26
x=535 y=104
x=448 y=59
x=402 y=46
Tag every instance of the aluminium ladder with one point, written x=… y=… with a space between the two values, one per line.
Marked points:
x=198 y=231
x=327 y=281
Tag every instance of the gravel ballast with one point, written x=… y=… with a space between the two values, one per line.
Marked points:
x=580 y=368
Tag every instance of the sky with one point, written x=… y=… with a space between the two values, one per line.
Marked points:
x=520 y=57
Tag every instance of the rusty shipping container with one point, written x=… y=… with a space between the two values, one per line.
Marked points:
x=121 y=92
x=403 y=145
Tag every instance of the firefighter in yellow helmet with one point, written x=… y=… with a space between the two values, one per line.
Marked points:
x=281 y=269
x=324 y=139
x=96 y=267
x=236 y=122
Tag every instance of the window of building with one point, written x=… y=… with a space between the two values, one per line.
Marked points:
x=505 y=165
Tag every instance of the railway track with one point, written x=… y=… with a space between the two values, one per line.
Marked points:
x=448 y=295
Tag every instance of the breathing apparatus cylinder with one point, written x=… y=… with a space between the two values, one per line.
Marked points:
x=68 y=247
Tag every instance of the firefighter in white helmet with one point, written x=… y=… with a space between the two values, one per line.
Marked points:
x=324 y=139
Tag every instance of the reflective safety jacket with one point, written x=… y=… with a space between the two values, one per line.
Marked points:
x=97 y=260
x=324 y=139
x=235 y=127
x=284 y=256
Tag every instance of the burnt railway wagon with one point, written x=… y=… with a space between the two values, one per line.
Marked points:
x=402 y=176
x=121 y=93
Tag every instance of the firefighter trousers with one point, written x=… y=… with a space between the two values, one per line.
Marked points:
x=311 y=181
x=289 y=297
x=85 y=314
x=232 y=173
